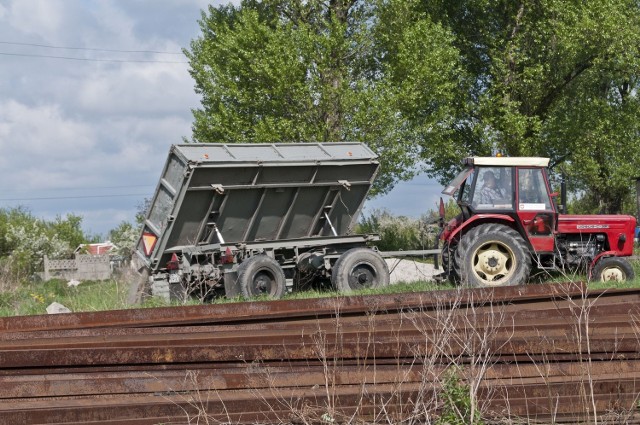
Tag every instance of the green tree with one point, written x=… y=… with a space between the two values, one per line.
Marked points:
x=25 y=239
x=69 y=230
x=376 y=71
x=551 y=78
x=125 y=236
x=426 y=83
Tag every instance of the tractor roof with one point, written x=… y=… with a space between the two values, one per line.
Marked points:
x=506 y=161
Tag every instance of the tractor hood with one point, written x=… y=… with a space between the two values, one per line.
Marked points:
x=619 y=228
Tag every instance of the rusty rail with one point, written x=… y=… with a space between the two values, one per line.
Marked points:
x=540 y=352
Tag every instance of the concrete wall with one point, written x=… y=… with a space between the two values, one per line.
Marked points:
x=82 y=267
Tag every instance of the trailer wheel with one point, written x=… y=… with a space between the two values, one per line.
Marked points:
x=261 y=275
x=359 y=268
x=614 y=269
x=492 y=255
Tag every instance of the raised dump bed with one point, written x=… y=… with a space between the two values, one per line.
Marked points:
x=252 y=218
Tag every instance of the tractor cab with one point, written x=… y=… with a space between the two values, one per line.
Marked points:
x=502 y=184
x=515 y=187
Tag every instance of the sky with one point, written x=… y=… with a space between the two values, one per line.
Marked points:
x=92 y=95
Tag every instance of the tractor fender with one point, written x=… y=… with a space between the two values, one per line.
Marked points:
x=601 y=255
x=493 y=218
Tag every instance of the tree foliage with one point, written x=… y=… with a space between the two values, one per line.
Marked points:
x=553 y=78
x=344 y=70
x=125 y=236
x=426 y=83
x=25 y=239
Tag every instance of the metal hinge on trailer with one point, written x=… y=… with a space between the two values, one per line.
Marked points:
x=218 y=188
x=345 y=184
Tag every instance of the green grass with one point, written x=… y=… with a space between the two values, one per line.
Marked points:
x=33 y=298
x=615 y=285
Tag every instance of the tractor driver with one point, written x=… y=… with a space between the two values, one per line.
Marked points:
x=491 y=193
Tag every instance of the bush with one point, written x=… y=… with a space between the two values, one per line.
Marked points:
x=25 y=240
x=125 y=237
x=398 y=232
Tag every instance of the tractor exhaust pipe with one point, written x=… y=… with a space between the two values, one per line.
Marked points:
x=563 y=193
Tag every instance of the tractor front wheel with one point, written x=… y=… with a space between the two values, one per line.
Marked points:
x=492 y=255
x=614 y=269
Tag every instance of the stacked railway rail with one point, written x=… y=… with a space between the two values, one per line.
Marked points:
x=537 y=353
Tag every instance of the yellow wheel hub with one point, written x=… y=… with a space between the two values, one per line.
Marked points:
x=494 y=263
x=612 y=274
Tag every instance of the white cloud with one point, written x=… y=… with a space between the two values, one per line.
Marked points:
x=77 y=135
x=40 y=143
x=41 y=17
x=142 y=88
x=115 y=26
x=42 y=132
x=91 y=138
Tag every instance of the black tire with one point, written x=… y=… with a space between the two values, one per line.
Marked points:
x=359 y=268
x=449 y=262
x=612 y=269
x=492 y=255
x=261 y=275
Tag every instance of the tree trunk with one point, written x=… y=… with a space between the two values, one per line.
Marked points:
x=337 y=12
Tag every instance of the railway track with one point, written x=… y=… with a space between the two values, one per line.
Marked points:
x=549 y=353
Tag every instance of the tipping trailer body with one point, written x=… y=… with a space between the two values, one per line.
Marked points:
x=217 y=205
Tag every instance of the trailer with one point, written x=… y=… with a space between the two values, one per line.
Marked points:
x=260 y=219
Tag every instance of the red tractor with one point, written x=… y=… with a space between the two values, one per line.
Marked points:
x=510 y=224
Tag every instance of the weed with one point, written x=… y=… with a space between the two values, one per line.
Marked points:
x=458 y=406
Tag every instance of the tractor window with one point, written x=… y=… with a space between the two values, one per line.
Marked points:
x=458 y=181
x=465 y=197
x=493 y=189
x=532 y=191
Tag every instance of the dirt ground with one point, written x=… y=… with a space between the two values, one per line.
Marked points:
x=410 y=271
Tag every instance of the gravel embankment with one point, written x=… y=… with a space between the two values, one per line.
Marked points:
x=410 y=271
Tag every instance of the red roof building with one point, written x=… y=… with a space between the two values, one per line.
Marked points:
x=100 y=248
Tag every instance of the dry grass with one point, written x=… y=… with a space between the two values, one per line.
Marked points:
x=454 y=358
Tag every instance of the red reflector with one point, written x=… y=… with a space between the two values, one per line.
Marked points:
x=227 y=258
x=148 y=243
x=173 y=263
x=441 y=210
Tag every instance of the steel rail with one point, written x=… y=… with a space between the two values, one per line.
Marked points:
x=393 y=401
x=259 y=377
x=541 y=352
x=256 y=312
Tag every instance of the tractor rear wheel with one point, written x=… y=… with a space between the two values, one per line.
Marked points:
x=492 y=255
x=261 y=275
x=359 y=268
x=449 y=262
x=613 y=269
